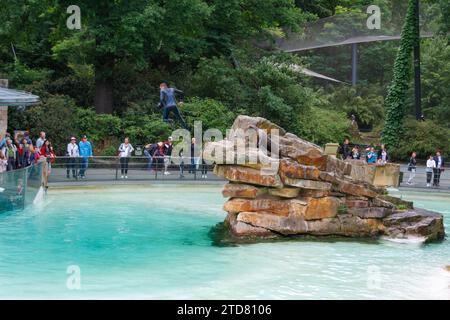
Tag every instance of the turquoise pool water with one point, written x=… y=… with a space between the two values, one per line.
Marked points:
x=154 y=242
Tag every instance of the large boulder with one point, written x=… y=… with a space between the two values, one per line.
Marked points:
x=321 y=208
x=227 y=152
x=242 y=229
x=245 y=123
x=267 y=220
x=282 y=207
x=285 y=192
x=355 y=189
x=415 y=223
x=292 y=169
x=248 y=175
x=233 y=190
x=300 y=150
x=306 y=184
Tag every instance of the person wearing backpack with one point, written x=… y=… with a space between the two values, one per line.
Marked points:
x=412 y=168
x=10 y=152
x=125 y=151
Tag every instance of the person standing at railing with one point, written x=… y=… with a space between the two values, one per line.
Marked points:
x=355 y=154
x=26 y=136
x=195 y=159
x=167 y=150
x=3 y=162
x=383 y=156
x=24 y=153
x=439 y=160
x=431 y=164
x=34 y=155
x=149 y=149
x=85 y=149
x=10 y=152
x=125 y=150
x=344 y=149
x=158 y=156
x=412 y=168
x=48 y=152
x=371 y=156
x=73 y=154
x=40 y=141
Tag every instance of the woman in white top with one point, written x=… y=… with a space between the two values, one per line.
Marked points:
x=431 y=164
x=125 y=151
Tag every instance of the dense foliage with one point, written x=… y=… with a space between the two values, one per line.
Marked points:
x=206 y=49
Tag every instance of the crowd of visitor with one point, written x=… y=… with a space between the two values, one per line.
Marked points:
x=372 y=156
x=160 y=155
x=434 y=164
x=20 y=152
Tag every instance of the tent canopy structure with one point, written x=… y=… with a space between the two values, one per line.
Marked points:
x=350 y=28
x=16 y=98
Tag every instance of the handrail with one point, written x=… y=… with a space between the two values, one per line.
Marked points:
x=107 y=168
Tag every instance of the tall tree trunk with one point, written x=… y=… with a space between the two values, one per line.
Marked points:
x=103 y=99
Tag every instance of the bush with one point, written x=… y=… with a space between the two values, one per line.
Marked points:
x=56 y=117
x=212 y=113
x=365 y=104
x=423 y=137
x=146 y=129
x=97 y=126
x=322 y=126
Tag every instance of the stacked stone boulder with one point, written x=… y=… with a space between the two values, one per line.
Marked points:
x=307 y=192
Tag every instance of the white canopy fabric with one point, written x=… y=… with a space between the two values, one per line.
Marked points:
x=16 y=98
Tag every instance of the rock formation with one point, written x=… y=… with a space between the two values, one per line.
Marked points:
x=290 y=187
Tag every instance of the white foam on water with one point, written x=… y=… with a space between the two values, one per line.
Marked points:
x=40 y=196
x=408 y=240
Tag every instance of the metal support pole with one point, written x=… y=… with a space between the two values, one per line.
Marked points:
x=354 y=63
x=417 y=80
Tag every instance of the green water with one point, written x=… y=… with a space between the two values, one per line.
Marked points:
x=154 y=242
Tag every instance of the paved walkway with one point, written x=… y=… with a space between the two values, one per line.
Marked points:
x=420 y=180
x=58 y=176
x=138 y=176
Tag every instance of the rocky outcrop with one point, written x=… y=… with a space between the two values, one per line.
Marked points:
x=281 y=185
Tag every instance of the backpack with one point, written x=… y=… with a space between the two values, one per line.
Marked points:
x=340 y=149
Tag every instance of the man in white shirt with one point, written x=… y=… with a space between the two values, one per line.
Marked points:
x=73 y=153
x=40 y=141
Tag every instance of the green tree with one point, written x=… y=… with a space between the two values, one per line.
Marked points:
x=395 y=103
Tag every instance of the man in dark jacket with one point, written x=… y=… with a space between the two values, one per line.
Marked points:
x=439 y=168
x=167 y=100
x=345 y=149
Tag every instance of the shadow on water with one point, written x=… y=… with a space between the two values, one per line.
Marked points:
x=221 y=236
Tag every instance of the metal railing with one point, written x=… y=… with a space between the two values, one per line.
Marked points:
x=66 y=169
x=420 y=178
x=18 y=188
